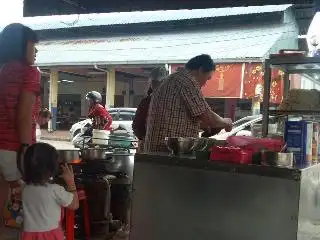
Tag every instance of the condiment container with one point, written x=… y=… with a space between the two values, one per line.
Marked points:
x=298 y=136
x=279 y=159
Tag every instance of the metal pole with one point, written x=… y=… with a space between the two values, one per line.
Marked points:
x=266 y=97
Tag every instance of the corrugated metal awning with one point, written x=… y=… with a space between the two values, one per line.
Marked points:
x=120 y=18
x=250 y=43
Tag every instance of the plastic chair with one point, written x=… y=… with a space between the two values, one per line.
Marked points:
x=70 y=217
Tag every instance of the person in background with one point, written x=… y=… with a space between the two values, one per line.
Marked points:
x=140 y=119
x=101 y=118
x=43 y=118
x=42 y=200
x=19 y=94
x=178 y=107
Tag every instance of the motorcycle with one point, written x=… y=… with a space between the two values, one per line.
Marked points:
x=84 y=138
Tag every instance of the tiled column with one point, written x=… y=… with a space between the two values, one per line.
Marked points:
x=53 y=99
x=110 y=88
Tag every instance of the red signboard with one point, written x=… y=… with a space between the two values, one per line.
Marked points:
x=225 y=82
x=253 y=82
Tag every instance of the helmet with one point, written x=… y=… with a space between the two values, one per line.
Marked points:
x=94 y=96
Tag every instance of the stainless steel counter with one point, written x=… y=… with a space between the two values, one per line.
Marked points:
x=187 y=198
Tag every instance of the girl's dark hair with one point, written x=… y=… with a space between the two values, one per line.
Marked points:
x=13 y=42
x=203 y=61
x=40 y=163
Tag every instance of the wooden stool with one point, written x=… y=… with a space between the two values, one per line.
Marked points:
x=70 y=215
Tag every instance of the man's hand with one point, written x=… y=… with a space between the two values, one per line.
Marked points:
x=228 y=124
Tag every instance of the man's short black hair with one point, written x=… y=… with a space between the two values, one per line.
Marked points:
x=202 y=61
x=13 y=42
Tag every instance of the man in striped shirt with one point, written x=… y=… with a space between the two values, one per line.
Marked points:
x=178 y=106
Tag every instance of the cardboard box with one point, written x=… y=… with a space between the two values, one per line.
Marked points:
x=298 y=136
x=315 y=143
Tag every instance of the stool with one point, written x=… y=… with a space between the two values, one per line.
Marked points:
x=70 y=215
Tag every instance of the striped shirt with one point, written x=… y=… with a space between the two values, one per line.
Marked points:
x=174 y=110
x=15 y=77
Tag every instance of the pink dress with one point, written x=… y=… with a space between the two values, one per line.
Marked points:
x=56 y=234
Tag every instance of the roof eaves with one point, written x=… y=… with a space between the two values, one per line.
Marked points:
x=105 y=19
x=147 y=62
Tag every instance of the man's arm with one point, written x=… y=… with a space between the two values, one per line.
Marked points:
x=211 y=120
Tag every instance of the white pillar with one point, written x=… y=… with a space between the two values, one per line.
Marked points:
x=110 y=88
x=53 y=99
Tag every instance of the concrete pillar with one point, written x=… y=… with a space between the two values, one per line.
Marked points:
x=255 y=105
x=131 y=92
x=230 y=108
x=126 y=87
x=53 y=99
x=110 y=88
x=169 y=68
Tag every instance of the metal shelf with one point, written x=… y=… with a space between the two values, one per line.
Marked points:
x=296 y=64
x=290 y=64
x=294 y=112
x=285 y=60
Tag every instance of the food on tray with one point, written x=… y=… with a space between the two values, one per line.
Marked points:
x=301 y=99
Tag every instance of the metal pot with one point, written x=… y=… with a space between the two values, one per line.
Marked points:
x=277 y=159
x=122 y=162
x=95 y=154
x=68 y=155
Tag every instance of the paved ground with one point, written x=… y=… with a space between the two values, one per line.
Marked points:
x=56 y=135
x=60 y=145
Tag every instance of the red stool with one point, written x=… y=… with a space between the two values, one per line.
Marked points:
x=70 y=215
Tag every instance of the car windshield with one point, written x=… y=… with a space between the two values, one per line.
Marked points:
x=243 y=121
x=122 y=115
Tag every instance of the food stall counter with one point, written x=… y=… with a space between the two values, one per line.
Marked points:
x=184 y=197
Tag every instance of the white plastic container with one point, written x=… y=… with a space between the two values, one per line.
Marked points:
x=272 y=128
x=100 y=137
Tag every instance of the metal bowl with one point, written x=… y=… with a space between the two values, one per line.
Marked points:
x=68 y=156
x=181 y=145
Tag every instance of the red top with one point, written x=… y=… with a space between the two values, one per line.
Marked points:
x=15 y=77
x=98 y=111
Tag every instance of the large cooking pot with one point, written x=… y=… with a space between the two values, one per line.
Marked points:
x=68 y=156
x=117 y=161
x=91 y=154
x=123 y=162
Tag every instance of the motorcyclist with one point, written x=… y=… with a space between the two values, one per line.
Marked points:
x=101 y=118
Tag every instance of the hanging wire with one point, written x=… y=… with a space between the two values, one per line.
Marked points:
x=77 y=6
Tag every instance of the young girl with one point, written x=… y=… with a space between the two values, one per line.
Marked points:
x=42 y=200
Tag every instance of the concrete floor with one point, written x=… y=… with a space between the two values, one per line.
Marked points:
x=60 y=145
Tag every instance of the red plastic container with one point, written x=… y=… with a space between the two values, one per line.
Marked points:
x=255 y=144
x=231 y=155
x=240 y=149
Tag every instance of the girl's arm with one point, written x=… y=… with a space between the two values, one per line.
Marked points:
x=65 y=198
x=68 y=176
x=75 y=200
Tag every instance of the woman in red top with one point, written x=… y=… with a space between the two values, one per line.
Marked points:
x=101 y=118
x=19 y=92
